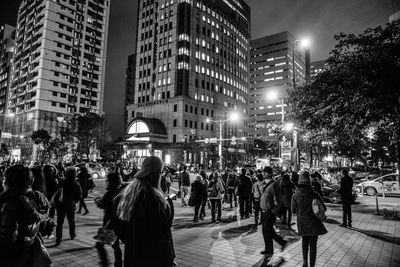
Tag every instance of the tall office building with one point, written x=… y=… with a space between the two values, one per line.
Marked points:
x=192 y=64
x=130 y=83
x=272 y=71
x=7 y=36
x=58 y=67
x=394 y=16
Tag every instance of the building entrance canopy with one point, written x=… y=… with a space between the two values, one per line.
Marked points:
x=145 y=130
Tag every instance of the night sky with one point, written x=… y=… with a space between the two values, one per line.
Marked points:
x=316 y=19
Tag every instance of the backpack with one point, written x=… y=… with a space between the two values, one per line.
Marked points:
x=263 y=198
x=318 y=209
x=231 y=181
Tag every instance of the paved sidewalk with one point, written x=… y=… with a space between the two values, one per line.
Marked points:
x=372 y=242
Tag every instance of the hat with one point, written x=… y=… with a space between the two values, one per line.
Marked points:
x=150 y=165
x=268 y=169
x=304 y=179
x=198 y=178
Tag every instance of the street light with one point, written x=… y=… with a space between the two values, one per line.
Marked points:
x=233 y=117
x=304 y=43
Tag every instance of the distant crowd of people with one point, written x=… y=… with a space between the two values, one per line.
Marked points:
x=139 y=211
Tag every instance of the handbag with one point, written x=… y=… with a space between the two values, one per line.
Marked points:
x=106 y=236
x=41 y=256
x=90 y=184
x=318 y=209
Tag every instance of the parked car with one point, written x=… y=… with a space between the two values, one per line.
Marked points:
x=95 y=169
x=388 y=184
x=330 y=192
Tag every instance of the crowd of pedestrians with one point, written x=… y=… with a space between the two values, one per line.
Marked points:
x=139 y=212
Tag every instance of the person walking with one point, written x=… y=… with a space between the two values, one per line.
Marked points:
x=346 y=194
x=51 y=183
x=184 y=184
x=287 y=188
x=316 y=183
x=106 y=202
x=270 y=204
x=243 y=187
x=231 y=188
x=22 y=210
x=205 y=182
x=308 y=224
x=65 y=203
x=197 y=193
x=83 y=179
x=215 y=190
x=257 y=190
x=147 y=217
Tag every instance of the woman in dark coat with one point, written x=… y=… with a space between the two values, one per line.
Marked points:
x=51 y=182
x=197 y=193
x=148 y=217
x=316 y=179
x=287 y=188
x=308 y=225
x=106 y=203
x=83 y=179
x=71 y=193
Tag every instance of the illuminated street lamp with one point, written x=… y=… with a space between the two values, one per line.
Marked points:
x=273 y=95
x=233 y=117
x=305 y=44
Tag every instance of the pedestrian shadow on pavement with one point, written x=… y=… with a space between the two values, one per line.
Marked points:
x=267 y=262
x=331 y=221
x=181 y=223
x=378 y=235
x=71 y=250
x=238 y=231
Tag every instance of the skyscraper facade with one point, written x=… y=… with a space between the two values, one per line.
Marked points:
x=192 y=64
x=317 y=67
x=7 y=36
x=271 y=74
x=58 y=66
x=130 y=83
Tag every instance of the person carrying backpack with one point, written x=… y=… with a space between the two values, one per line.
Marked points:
x=308 y=224
x=257 y=190
x=106 y=203
x=270 y=203
x=22 y=211
x=215 y=190
x=184 y=184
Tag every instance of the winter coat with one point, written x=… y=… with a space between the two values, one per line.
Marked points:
x=148 y=233
x=218 y=186
x=346 y=188
x=258 y=189
x=72 y=193
x=107 y=204
x=20 y=216
x=184 y=179
x=307 y=223
x=244 y=185
x=287 y=188
x=83 y=178
x=198 y=192
x=273 y=196
x=231 y=181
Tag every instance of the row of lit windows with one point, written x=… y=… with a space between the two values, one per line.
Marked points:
x=206 y=85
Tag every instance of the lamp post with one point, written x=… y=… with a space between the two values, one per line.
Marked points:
x=233 y=117
x=273 y=95
x=305 y=43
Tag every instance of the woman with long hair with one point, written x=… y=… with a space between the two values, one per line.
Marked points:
x=308 y=224
x=148 y=218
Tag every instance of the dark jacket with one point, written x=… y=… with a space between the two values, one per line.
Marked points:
x=198 y=192
x=225 y=179
x=287 y=188
x=20 y=215
x=72 y=193
x=83 y=178
x=273 y=196
x=244 y=185
x=107 y=204
x=307 y=223
x=184 y=179
x=149 y=238
x=346 y=188
x=50 y=179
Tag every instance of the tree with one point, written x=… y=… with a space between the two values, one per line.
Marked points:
x=42 y=138
x=360 y=88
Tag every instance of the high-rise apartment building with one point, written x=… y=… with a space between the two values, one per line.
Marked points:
x=130 y=83
x=192 y=64
x=7 y=36
x=272 y=71
x=58 y=67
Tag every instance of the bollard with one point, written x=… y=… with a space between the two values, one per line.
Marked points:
x=377 y=204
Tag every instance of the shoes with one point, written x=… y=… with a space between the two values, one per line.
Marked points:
x=74 y=235
x=201 y=218
x=195 y=220
x=343 y=225
x=86 y=212
x=350 y=225
x=267 y=255
x=213 y=220
x=218 y=220
x=58 y=242
x=78 y=212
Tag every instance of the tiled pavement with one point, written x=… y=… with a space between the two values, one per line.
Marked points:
x=372 y=242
